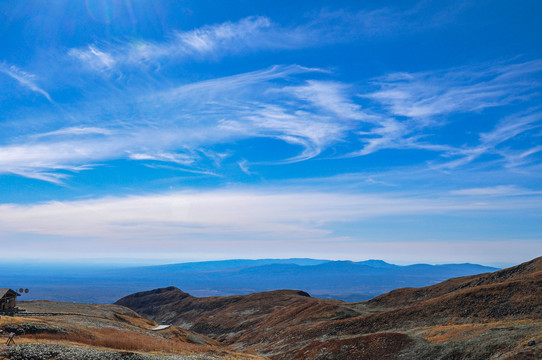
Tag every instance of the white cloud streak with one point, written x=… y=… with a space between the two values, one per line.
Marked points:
x=214 y=41
x=181 y=159
x=277 y=213
x=426 y=94
x=75 y=131
x=500 y=190
x=24 y=79
x=492 y=142
x=94 y=58
x=243 y=165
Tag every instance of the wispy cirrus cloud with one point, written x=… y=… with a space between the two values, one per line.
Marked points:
x=206 y=113
x=94 y=58
x=467 y=89
x=332 y=97
x=182 y=124
x=77 y=131
x=243 y=165
x=500 y=190
x=512 y=126
x=182 y=159
x=400 y=110
x=43 y=160
x=415 y=104
x=500 y=141
x=214 y=41
x=24 y=79
x=250 y=34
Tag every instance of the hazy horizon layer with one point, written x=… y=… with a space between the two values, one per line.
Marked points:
x=344 y=280
x=131 y=262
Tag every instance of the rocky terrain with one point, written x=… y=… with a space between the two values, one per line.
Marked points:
x=495 y=315
x=61 y=331
x=492 y=315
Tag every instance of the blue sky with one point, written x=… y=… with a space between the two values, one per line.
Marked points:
x=408 y=131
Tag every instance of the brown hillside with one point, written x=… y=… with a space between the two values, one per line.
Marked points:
x=405 y=296
x=473 y=317
x=226 y=318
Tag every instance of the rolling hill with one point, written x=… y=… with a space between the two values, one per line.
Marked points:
x=496 y=314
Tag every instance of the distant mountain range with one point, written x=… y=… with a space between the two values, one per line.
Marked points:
x=345 y=280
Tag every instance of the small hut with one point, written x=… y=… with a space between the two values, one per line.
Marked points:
x=8 y=300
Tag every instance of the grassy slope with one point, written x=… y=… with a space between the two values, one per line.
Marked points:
x=107 y=327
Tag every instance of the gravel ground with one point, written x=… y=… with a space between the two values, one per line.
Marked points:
x=59 y=352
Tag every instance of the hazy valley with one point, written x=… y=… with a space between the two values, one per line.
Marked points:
x=344 y=280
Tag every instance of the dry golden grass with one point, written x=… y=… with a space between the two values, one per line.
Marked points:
x=443 y=333
x=107 y=337
x=5 y=320
x=111 y=327
x=123 y=340
x=458 y=332
x=112 y=339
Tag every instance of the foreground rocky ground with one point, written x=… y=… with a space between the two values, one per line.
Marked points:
x=63 y=352
x=53 y=330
